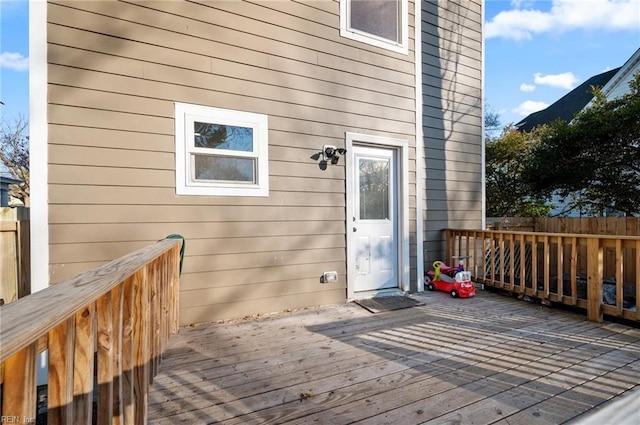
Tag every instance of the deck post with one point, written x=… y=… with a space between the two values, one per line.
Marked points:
x=594 y=280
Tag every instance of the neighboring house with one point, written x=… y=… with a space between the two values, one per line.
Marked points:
x=5 y=196
x=613 y=84
x=568 y=105
x=618 y=85
x=227 y=122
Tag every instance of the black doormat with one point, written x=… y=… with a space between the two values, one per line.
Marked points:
x=381 y=304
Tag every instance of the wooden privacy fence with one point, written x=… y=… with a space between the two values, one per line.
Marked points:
x=15 y=273
x=564 y=268
x=618 y=226
x=110 y=324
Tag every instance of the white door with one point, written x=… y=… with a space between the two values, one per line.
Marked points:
x=374 y=224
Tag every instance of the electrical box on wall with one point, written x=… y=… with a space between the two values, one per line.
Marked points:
x=328 y=277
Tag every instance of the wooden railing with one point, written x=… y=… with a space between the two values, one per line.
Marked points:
x=563 y=268
x=104 y=332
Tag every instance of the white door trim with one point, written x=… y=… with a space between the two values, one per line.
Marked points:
x=402 y=149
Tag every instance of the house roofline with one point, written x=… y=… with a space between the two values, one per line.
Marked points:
x=628 y=66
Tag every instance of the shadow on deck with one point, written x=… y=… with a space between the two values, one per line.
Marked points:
x=490 y=359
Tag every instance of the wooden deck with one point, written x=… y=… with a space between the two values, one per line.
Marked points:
x=490 y=359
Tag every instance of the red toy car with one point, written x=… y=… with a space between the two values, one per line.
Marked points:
x=439 y=279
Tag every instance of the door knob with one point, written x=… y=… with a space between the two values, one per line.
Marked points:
x=355 y=229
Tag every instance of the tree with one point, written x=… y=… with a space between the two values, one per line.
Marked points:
x=14 y=154
x=593 y=160
x=491 y=122
x=507 y=194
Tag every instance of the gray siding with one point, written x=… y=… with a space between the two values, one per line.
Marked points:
x=452 y=119
x=115 y=71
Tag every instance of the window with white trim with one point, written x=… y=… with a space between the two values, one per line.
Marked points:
x=382 y=23
x=220 y=152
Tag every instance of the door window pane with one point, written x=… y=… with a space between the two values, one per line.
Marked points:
x=374 y=189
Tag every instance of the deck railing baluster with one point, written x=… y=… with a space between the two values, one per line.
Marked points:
x=107 y=323
x=528 y=257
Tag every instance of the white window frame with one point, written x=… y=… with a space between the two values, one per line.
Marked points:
x=374 y=40
x=185 y=115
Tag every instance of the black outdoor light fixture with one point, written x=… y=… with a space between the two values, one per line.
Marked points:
x=331 y=153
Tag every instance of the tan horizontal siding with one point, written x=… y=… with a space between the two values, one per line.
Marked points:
x=257 y=291
x=453 y=150
x=130 y=57
x=459 y=195
x=111 y=176
x=256 y=275
x=59 y=214
x=467 y=73
x=107 y=157
x=265 y=244
x=472 y=165
x=452 y=119
x=69 y=174
x=185 y=29
x=453 y=177
x=118 y=195
x=231 y=253
x=110 y=138
x=291 y=105
x=455 y=140
x=331 y=7
x=454 y=12
x=444 y=126
x=105 y=251
x=135 y=162
x=115 y=71
x=453 y=204
x=203 y=263
x=150 y=232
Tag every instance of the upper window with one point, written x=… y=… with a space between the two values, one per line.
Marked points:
x=382 y=23
x=220 y=152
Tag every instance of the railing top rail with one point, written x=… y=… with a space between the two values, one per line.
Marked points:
x=24 y=321
x=564 y=235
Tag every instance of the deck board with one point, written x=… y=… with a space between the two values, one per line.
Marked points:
x=490 y=359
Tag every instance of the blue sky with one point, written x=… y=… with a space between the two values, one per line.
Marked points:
x=14 y=53
x=536 y=51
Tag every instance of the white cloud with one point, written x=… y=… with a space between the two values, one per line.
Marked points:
x=565 y=15
x=566 y=80
x=529 y=107
x=521 y=4
x=527 y=88
x=14 y=61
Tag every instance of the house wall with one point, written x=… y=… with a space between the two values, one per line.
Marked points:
x=620 y=85
x=452 y=119
x=115 y=70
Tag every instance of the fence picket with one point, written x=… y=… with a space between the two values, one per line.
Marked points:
x=106 y=311
x=545 y=262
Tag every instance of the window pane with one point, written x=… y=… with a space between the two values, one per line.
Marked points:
x=374 y=189
x=377 y=17
x=220 y=136
x=224 y=168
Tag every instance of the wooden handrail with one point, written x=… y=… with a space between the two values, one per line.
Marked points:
x=112 y=322
x=565 y=268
